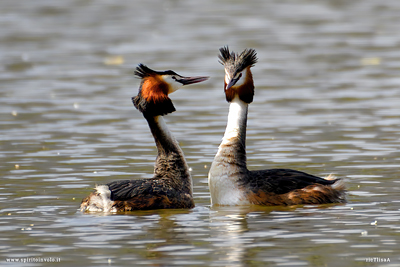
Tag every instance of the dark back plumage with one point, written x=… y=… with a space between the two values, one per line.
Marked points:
x=235 y=62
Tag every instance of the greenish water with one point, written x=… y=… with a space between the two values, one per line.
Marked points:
x=327 y=101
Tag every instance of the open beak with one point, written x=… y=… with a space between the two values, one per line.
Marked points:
x=190 y=80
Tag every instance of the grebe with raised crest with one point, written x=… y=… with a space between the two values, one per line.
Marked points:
x=171 y=186
x=230 y=182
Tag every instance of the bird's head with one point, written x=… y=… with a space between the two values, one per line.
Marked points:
x=155 y=87
x=238 y=78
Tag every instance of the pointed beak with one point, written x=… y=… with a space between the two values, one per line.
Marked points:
x=233 y=82
x=190 y=80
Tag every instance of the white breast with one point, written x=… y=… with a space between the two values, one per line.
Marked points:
x=222 y=178
x=224 y=187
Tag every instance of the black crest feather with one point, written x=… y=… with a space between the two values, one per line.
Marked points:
x=237 y=61
x=143 y=71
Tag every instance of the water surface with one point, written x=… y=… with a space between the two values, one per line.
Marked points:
x=327 y=101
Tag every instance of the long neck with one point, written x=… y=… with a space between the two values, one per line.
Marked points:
x=170 y=162
x=233 y=146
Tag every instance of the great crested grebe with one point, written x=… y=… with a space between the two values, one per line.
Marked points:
x=230 y=182
x=171 y=186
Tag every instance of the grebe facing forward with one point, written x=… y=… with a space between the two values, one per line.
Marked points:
x=230 y=182
x=171 y=185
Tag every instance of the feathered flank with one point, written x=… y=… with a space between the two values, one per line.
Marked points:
x=237 y=62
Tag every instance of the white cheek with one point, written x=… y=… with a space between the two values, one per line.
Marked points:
x=227 y=80
x=242 y=79
x=227 y=77
x=173 y=85
x=238 y=83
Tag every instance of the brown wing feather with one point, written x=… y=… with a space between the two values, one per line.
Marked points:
x=147 y=194
x=290 y=187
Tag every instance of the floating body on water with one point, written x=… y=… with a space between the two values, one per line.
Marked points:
x=230 y=182
x=171 y=186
